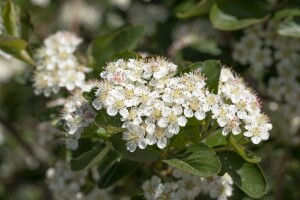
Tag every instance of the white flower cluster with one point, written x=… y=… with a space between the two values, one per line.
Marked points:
x=57 y=65
x=244 y=109
x=66 y=184
x=153 y=104
x=77 y=114
x=188 y=187
x=283 y=53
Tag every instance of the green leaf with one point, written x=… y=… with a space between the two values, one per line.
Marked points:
x=241 y=150
x=190 y=68
x=286 y=13
x=201 y=8
x=247 y=176
x=125 y=55
x=289 y=27
x=216 y=139
x=103 y=119
x=91 y=156
x=189 y=134
x=212 y=71
x=151 y=153
x=12 y=43
x=243 y=9
x=9 y=17
x=116 y=171
x=198 y=159
x=103 y=47
x=223 y=21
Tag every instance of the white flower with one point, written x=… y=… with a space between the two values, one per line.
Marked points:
x=134 y=136
x=172 y=118
x=158 y=136
x=153 y=188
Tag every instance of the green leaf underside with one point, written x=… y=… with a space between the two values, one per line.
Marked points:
x=223 y=21
x=241 y=150
x=151 y=153
x=247 y=176
x=103 y=47
x=198 y=159
x=290 y=28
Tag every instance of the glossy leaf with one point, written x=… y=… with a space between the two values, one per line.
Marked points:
x=200 y=160
x=9 y=17
x=201 y=8
x=216 y=139
x=103 y=47
x=82 y=161
x=223 y=21
x=243 y=9
x=103 y=119
x=212 y=71
x=111 y=172
x=187 y=135
x=151 y=153
x=247 y=176
x=241 y=150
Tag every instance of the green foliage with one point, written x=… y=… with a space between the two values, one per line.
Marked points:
x=247 y=176
x=197 y=159
x=12 y=44
x=212 y=71
x=104 y=120
x=226 y=22
x=103 y=47
x=216 y=139
x=241 y=150
x=151 y=153
x=198 y=9
x=9 y=17
x=113 y=170
x=87 y=158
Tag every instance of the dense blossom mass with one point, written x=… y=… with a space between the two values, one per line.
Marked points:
x=77 y=114
x=188 y=186
x=57 y=65
x=154 y=104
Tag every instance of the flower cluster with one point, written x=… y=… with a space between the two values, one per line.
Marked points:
x=153 y=104
x=64 y=183
x=188 y=186
x=57 y=65
x=67 y=184
x=243 y=109
x=267 y=52
x=77 y=114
